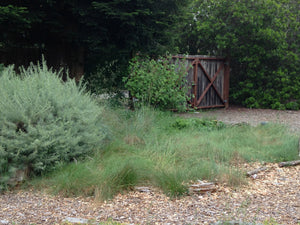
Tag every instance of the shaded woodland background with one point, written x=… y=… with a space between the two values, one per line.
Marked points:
x=98 y=38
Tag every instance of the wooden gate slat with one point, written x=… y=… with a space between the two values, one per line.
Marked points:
x=210 y=84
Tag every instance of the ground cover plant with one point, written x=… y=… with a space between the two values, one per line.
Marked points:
x=44 y=122
x=160 y=149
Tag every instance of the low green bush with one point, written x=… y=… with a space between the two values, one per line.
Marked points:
x=292 y=106
x=44 y=122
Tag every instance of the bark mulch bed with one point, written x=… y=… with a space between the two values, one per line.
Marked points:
x=272 y=195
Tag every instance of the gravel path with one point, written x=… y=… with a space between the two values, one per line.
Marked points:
x=273 y=195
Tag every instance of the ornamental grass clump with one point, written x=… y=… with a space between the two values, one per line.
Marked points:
x=44 y=122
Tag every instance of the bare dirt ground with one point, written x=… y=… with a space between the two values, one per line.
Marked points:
x=272 y=196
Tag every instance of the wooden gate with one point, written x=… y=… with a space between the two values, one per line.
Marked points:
x=208 y=80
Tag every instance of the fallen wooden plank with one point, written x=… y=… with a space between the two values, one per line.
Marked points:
x=256 y=171
x=290 y=163
x=202 y=187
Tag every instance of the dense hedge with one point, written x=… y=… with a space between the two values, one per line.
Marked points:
x=44 y=122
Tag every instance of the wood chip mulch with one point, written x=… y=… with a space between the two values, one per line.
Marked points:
x=271 y=195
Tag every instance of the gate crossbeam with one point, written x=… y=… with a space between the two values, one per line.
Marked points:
x=197 y=62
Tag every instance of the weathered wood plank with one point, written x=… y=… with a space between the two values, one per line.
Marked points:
x=290 y=163
x=256 y=171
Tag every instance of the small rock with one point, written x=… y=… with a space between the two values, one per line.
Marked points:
x=142 y=189
x=48 y=213
x=76 y=220
x=254 y=176
x=21 y=214
x=263 y=123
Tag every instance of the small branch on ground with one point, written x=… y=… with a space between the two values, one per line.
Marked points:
x=290 y=163
x=256 y=171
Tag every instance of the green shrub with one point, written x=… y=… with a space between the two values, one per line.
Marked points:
x=159 y=83
x=292 y=106
x=44 y=122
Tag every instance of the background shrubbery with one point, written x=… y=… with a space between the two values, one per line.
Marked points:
x=44 y=122
x=261 y=39
x=107 y=77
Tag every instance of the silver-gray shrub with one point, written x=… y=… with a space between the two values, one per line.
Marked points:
x=44 y=121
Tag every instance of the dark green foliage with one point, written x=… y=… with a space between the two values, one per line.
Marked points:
x=44 y=122
x=1 y=68
x=159 y=83
x=124 y=29
x=292 y=106
x=14 y=22
x=261 y=39
x=106 y=78
x=87 y=32
x=139 y=25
